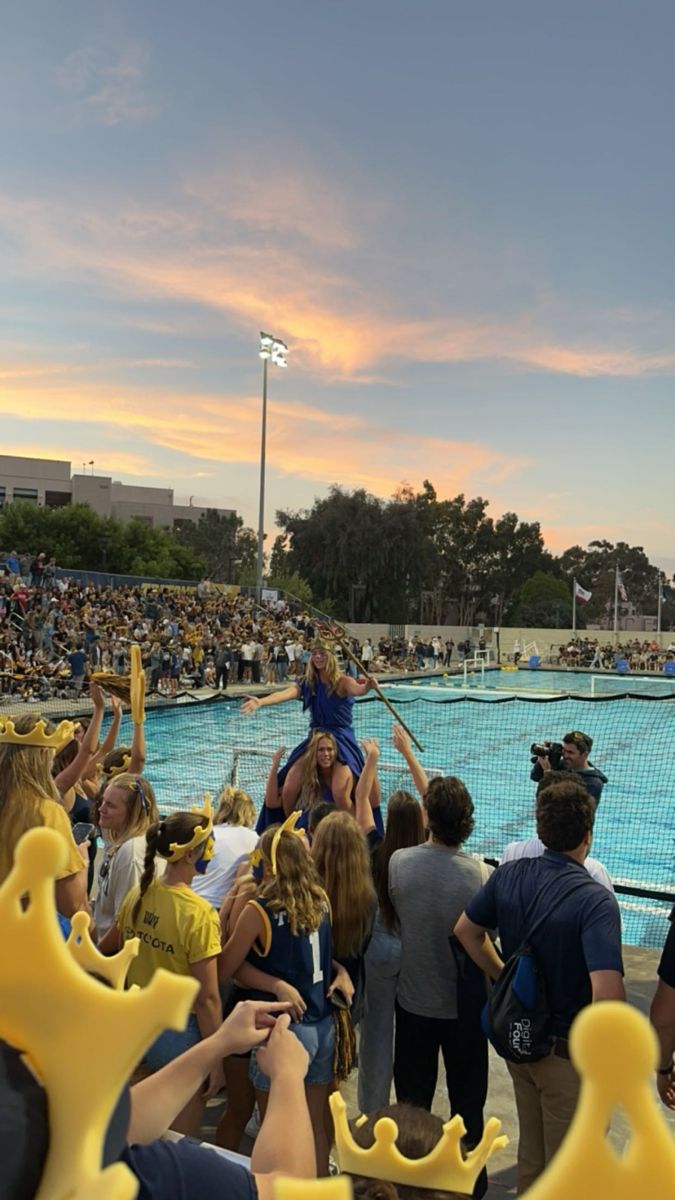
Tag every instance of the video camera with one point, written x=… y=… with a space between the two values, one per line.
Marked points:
x=553 y=751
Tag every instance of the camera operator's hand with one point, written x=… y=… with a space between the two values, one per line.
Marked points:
x=544 y=763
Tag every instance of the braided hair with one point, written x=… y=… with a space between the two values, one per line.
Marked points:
x=176 y=829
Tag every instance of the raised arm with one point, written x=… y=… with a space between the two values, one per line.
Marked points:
x=69 y=776
x=272 y=793
x=137 y=761
x=110 y=739
x=364 y=787
x=404 y=747
x=253 y=703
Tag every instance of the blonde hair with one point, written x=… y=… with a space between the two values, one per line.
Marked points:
x=234 y=808
x=340 y=852
x=331 y=671
x=139 y=798
x=310 y=792
x=296 y=888
x=25 y=783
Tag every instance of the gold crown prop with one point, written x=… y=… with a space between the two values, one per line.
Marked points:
x=444 y=1168
x=111 y=772
x=137 y=688
x=62 y=735
x=615 y=1051
x=114 y=968
x=178 y=849
x=42 y=986
x=324 y=642
x=312 y=1189
x=287 y=827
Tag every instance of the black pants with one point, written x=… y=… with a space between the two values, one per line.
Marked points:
x=465 y=1055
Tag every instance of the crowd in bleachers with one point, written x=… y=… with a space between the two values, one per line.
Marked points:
x=55 y=630
x=587 y=653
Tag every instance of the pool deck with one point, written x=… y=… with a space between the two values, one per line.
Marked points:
x=237 y=691
x=640 y=966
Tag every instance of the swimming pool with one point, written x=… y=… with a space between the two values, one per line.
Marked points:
x=485 y=740
x=511 y=681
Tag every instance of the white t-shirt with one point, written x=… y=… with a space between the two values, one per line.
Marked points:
x=534 y=848
x=120 y=870
x=233 y=843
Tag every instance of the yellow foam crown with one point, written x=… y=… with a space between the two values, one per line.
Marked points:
x=48 y=999
x=179 y=849
x=137 y=686
x=614 y=1049
x=62 y=735
x=445 y=1168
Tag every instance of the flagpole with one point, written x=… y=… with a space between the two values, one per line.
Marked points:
x=658 y=608
x=574 y=606
x=616 y=602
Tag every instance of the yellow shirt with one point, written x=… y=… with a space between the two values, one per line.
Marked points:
x=54 y=817
x=176 y=927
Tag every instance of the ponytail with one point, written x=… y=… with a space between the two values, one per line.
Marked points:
x=152 y=839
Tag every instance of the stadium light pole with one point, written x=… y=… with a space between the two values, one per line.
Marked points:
x=271 y=349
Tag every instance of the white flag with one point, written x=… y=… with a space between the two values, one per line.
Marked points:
x=581 y=594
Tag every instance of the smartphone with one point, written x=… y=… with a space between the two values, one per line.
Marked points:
x=82 y=831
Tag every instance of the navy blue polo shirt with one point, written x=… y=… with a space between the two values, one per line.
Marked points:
x=186 y=1170
x=582 y=934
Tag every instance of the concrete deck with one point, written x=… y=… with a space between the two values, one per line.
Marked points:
x=640 y=966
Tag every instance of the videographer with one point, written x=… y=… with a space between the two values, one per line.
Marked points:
x=569 y=755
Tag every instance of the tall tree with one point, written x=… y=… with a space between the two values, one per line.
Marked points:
x=227 y=548
x=595 y=567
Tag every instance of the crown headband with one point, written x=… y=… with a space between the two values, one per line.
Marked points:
x=287 y=827
x=443 y=1169
x=178 y=850
x=111 y=772
x=62 y=735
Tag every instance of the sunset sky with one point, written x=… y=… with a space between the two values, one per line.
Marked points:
x=458 y=213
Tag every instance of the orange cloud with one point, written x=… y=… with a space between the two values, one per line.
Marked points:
x=302 y=440
x=219 y=257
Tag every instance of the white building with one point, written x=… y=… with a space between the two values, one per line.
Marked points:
x=48 y=483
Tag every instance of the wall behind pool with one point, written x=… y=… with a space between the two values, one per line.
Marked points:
x=545 y=638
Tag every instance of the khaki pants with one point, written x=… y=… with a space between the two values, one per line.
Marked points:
x=546 y=1097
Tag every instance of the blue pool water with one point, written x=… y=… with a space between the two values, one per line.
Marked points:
x=502 y=681
x=485 y=740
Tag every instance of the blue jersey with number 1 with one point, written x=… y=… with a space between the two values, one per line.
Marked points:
x=302 y=959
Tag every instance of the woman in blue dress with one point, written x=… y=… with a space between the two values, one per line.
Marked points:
x=328 y=695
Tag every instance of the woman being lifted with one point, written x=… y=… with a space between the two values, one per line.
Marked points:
x=329 y=696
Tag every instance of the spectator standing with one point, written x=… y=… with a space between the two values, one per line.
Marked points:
x=577 y=948
x=429 y=886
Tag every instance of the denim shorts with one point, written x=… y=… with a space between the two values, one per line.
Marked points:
x=171 y=1043
x=319 y=1042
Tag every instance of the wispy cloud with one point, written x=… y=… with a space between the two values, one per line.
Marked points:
x=303 y=441
x=109 y=89
x=192 y=252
